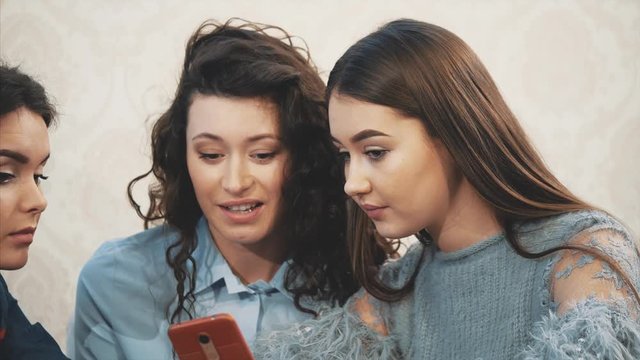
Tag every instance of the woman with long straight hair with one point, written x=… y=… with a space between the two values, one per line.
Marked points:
x=510 y=263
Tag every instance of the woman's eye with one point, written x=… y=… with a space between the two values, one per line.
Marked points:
x=376 y=154
x=210 y=156
x=5 y=177
x=39 y=177
x=344 y=156
x=262 y=156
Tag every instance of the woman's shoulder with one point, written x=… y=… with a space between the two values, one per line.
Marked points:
x=541 y=234
x=595 y=237
x=593 y=290
x=599 y=258
x=18 y=337
x=134 y=255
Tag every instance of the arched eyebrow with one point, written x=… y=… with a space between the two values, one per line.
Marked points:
x=254 y=138
x=22 y=159
x=206 y=135
x=362 y=135
x=19 y=157
x=263 y=136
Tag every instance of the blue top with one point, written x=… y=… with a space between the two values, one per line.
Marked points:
x=487 y=302
x=18 y=338
x=127 y=292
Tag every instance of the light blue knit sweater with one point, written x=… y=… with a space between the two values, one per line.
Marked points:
x=487 y=302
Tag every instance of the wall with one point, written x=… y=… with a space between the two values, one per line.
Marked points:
x=570 y=70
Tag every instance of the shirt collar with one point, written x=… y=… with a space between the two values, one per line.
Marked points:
x=277 y=282
x=212 y=267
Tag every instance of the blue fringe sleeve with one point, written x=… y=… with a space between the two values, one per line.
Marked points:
x=591 y=330
x=354 y=331
x=335 y=334
x=594 y=313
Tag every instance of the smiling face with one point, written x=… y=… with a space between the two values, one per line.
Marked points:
x=237 y=165
x=24 y=150
x=395 y=172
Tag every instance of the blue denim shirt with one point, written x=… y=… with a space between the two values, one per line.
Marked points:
x=127 y=292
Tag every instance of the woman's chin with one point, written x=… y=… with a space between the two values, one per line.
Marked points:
x=394 y=232
x=15 y=261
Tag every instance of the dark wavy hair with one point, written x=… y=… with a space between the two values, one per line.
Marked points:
x=245 y=61
x=427 y=72
x=18 y=89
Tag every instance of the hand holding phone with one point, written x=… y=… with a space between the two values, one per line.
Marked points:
x=215 y=337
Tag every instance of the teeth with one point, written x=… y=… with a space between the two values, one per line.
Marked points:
x=242 y=208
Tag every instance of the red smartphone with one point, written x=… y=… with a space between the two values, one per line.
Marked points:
x=213 y=337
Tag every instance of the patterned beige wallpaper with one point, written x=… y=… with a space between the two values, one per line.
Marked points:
x=570 y=70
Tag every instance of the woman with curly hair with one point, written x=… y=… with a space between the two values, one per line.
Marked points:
x=249 y=196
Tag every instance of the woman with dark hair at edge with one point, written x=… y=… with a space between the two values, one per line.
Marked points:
x=510 y=263
x=26 y=113
x=249 y=197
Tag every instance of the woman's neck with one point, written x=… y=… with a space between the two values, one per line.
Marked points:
x=469 y=220
x=253 y=262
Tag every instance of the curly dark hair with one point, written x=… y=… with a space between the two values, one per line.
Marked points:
x=18 y=89
x=244 y=61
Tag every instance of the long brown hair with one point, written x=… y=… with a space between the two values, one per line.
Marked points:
x=249 y=60
x=427 y=72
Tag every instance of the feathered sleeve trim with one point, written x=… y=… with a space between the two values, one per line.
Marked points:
x=593 y=329
x=335 y=334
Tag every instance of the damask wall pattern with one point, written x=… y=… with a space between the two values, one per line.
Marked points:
x=569 y=69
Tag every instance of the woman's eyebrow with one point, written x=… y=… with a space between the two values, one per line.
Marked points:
x=207 y=135
x=45 y=159
x=261 y=137
x=23 y=159
x=365 y=134
x=254 y=138
x=362 y=135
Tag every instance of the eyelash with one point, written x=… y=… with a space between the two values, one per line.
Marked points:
x=373 y=155
x=377 y=154
x=262 y=157
x=207 y=156
x=39 y=177
x=6 y=177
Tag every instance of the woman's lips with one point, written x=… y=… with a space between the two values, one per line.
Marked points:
x=242 y=212
x=373 y=211
x=24 y=236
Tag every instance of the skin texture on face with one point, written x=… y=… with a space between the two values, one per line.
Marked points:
x=237 y=166
x=24 y=150
x=395 y=172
